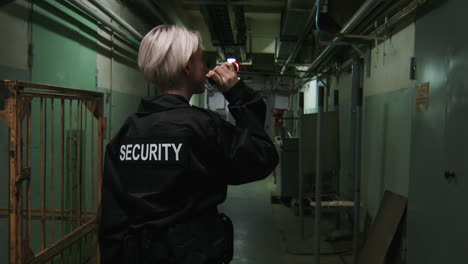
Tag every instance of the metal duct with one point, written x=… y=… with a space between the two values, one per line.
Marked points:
x=296 y=13
x=241 y=28
x=222 y=29
x=356 y=135
x=218 y=22
x=308 y=27
x=362 y=12
x=293 y=26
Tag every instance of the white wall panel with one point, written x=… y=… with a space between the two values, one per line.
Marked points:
x=390 y=63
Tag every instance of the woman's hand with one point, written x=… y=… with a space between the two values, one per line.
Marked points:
x=225 y=76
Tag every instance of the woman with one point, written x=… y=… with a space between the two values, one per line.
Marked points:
x=168 y=167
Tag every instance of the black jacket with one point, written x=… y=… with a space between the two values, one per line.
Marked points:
x=171 y=161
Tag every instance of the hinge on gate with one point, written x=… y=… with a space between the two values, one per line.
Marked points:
x=25 y=175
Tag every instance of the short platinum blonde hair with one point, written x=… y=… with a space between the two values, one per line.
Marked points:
x=165 y=51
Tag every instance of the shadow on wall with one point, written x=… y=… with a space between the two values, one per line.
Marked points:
x=120 y=54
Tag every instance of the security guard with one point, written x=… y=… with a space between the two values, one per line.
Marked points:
x=168 y=167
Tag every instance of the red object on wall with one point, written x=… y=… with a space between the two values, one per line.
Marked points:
x=277 y=114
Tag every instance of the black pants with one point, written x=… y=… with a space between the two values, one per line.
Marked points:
x=207 y=239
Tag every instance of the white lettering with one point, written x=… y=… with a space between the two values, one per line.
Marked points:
x=129 y=150
x=159 y=147
x=166 y=153
x=176 y=151
x=143 y=156
x=153 y=150
x=133 y=154
x=122 y=152
x=149 y=152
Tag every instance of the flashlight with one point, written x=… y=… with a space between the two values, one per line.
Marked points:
x=211 y=84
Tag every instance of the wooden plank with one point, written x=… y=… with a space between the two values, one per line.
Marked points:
x=383 y=229
x=16 y=107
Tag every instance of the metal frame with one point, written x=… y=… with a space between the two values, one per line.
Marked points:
x=318 y=174
x=16 y=98
x=356 y=136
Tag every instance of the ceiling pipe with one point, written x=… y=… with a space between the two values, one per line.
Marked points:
x=95 y=13
x=117 y=19
x=300 y=42
x=270 y=73
x=360 y=14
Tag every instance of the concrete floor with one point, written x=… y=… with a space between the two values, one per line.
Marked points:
x=267 y=233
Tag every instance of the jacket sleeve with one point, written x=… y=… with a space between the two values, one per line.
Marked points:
x=247 y=152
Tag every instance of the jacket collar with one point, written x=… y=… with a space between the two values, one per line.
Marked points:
x=162 y=103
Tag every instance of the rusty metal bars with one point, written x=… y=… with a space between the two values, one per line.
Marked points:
x=52 y=178
x=62 y=164
x=84 y=158
x=78 y=178
x=70 y=156
x=28 y=158
x=92 y=167
x=70 y=168
x=15 y=206
x=42 y=173
x=17 y=97
x=78 y=155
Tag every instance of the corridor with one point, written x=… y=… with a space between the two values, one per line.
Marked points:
x=365 y=104
x=267 y=233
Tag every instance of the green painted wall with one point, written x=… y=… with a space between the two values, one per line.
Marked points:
x=62 y=53
x=65 y=46
x=123 y=105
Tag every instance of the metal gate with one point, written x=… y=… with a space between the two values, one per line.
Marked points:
x=55 y=165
